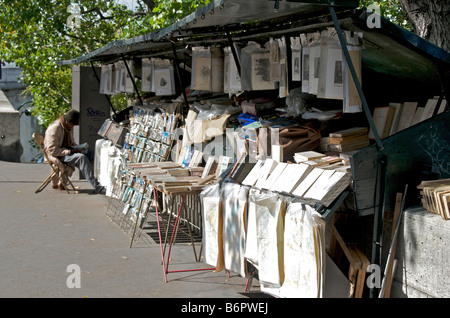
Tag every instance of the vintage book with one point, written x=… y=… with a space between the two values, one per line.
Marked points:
x=349 y=139
x=291 y=176
x=196 y=159
x=443 y=106
x=429 y=109
x=187 y=156
x=210 y=166
x=349 y=145
x=105 y=127
x=406 y=118
x=418 y=115
x=328 y=187
x=317 y=189
x=239 y=161
x=327 y=160
x=307 y=182
x=382 y=118
x=222 y=164
x=252 y=176
x=196 y=171
x=181 y=155
x=396 y=118
x=237 y=165
x=242 y=171
x=350 y=132
x=273 y=177
x=269 y=166
x=307 y=155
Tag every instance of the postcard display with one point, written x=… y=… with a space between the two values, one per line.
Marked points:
x=150 y=135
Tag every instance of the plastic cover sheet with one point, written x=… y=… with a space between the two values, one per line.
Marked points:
x=269 y=210
x=212 y=218
x=207 y=69
x=234 y=198
x=304 y=252
x=251 y=243
x=352 y=101
x=231 y=80
x=330 y=83
x=255 y=68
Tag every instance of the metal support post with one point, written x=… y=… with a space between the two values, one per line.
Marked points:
x=378 y=217
x=233 y=51
x=132 y=79
x=177 y=67
x=106 y=96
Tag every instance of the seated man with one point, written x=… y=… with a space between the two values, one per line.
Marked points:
x=58 y=144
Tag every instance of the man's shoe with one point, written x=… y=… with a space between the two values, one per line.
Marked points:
x=100 y=190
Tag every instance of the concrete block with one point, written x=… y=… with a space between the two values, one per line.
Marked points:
x=423 y=254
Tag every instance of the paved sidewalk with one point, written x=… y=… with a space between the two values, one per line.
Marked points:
x=42 y=234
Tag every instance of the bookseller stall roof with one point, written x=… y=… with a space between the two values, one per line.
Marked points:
x=388 y=48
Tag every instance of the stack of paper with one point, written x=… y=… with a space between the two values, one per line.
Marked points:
x=304 y=186
x=307 y=155
x=291 y=176
x=328 y=186
x=274 y=176
x=269 y=166
x=349 y=139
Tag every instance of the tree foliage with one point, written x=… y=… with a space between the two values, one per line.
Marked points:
x=35 y=34
x=391 y=9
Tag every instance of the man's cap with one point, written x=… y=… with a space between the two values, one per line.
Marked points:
x=72 y=116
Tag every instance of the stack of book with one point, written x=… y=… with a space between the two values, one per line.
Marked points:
x=436 y=197
x=315 y=159
x=307 y=156
x=349 y=139
x=398 y=116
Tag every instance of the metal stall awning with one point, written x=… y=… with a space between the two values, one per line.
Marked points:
x=390 y=52
x=210 y=18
